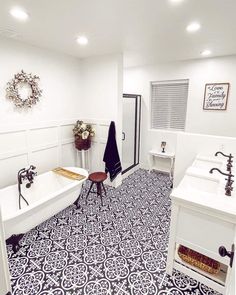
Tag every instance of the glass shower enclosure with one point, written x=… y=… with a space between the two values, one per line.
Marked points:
x=131 y=121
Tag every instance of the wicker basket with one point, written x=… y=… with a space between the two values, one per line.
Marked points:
x=198 y=260
x=82 y=144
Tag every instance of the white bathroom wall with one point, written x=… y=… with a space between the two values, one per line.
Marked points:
x=100 y=86
x=102 y=82
x=89 y=90
x=60 y=80
x=42 y=135
x=137 y=80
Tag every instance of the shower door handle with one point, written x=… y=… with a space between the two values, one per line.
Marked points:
x=123 y=136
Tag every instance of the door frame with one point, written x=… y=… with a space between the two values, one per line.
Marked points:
x=137 y=126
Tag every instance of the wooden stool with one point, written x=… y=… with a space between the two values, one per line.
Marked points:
x=97 y=178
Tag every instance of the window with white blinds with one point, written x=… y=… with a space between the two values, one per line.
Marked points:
x=169 y=104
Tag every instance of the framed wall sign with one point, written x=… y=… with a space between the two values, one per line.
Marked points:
x=216 y=96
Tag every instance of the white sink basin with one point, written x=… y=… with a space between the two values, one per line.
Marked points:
x=190 y=182
x=206 y=164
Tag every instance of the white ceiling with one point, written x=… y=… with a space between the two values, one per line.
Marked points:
x=146 y=31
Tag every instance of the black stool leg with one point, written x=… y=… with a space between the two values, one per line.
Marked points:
x=104 y=189
x=99 y=191
x=89 y=191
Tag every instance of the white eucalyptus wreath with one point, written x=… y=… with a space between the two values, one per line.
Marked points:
x=13 y=90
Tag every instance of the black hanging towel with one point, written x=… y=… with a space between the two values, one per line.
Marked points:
x=111 y=156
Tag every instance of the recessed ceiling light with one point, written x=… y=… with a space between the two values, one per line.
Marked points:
x=19 y=13
x=193 y=27
x=82 y=40
x=176 y=1
x=206 y=52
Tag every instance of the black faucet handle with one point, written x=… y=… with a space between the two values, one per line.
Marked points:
x=228 y=191
x=227 y=156
x=225 y=174
x=230 y=159
x=229 y=188
x=34 y=173
x=230 y=175
x=228 y=184
x=229 y=181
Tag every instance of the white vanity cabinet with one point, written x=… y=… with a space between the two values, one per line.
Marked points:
x=202 y=223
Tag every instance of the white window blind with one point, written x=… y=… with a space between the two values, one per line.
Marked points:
x=169 y=104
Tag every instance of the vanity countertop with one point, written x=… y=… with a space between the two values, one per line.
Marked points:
x=219 y=203
x=203 y=190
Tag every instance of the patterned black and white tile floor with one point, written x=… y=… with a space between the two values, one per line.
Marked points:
x=120 y=248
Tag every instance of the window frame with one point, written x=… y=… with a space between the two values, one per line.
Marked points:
x=150 y=104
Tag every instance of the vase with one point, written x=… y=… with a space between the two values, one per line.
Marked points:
x=82 y=144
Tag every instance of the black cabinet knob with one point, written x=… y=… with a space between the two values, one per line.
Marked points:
x=223 y=252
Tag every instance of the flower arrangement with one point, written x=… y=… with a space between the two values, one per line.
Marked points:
x=83 y=130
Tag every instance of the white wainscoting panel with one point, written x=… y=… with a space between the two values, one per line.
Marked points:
x=67 y=132
x=47 y=145
x=96 y=157
x=104 y=132
x=10 y=142
x=68 y=155
x=45 y=159
x=43 y=136
x=9 y=168
x=98 y=144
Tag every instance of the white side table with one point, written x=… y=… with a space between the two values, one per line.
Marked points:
x=165 y=155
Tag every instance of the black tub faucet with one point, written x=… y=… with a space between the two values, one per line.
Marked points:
x=25 y=174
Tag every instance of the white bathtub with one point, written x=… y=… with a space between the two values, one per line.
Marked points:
x=49 y=194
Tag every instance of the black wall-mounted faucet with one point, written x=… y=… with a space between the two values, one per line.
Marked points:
x=224 y=155
x=228 y=186
x=229 y=162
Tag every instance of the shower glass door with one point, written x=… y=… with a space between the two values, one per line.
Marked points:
x=131 y=131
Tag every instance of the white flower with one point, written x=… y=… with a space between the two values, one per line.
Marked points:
x=83 y=126
x=85 y=135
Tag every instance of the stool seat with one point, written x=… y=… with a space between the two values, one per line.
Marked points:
x=97 y=177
